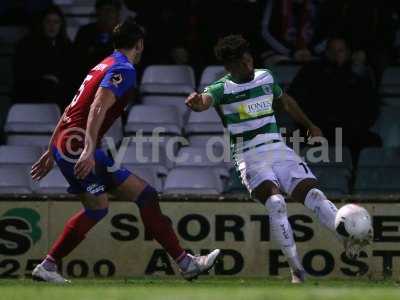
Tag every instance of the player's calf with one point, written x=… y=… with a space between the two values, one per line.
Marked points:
x=160 y=228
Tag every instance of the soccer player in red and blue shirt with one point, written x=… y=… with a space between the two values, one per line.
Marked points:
x=75 y=147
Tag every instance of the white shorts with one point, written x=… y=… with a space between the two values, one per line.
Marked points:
x=274 y=162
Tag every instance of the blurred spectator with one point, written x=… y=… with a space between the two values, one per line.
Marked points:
x=338 y=93
x=93 y=41
x=288 y=28
x=369 y=26
x=42 y=61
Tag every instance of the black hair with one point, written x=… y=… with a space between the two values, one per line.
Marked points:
x=127 y=33
x=116 y=3
x=231 y=48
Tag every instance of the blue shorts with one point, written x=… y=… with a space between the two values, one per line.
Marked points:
x=99 y=181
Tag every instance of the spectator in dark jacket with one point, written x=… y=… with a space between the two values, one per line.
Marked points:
x=93 y=41
x=42 y=61
x=349 y=97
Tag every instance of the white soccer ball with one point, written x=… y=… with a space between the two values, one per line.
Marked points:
x=354 y=222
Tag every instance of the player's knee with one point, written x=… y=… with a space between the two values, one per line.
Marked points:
x=276 y=205
x=316 y=194
x=265 y=190
x=96 y=214
x=148 y=195
x=300 y=192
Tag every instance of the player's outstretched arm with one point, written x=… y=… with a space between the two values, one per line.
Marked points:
x=289 y=104
x=198 y=102
x=104 y=99
x=45 y=163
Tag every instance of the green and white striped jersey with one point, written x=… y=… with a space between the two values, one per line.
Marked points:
x=246 y=109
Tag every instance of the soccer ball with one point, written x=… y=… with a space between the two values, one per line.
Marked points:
x=354 y=222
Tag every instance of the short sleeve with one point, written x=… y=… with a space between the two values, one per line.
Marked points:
x=216 y=91
x=276 y=90
x=119 y=80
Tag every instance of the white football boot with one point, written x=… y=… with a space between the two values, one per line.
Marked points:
x=298 y=276
x=200 y=264
x=41 y=274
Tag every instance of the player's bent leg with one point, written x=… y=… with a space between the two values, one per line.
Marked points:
x=307 y=192
x=281 y=230
x=158 y=225
x=75 y=230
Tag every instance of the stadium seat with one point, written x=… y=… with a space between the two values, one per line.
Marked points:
x=333 y=181
x=115 y=133
x=209 y=75
x=204 y=122
x=28 y=140
x=15 y=180
x=32 y=118
x=235 y=184
x=313 y=157
x=178 y=102
x=19 y=155
x=53 y=183
x=284 y=74
x=379 y=158
x=390 y=84
x=144 y=157
x=200 y=157
x=377 y=180
x=149 y=174
x=388 y=126
x=149 y=117
x=218 y=141
x=168 y=79
x=192 y=181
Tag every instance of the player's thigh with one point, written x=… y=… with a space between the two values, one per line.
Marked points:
x=265 y=190
x=90 y=201
x=291 y=172
x=301 y=190
x=130 y=189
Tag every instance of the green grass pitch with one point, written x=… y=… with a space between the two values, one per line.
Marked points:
x=204 y=288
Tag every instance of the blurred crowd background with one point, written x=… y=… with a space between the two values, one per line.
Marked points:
x=341 y=50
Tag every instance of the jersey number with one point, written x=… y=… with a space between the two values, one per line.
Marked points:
x=79 y=93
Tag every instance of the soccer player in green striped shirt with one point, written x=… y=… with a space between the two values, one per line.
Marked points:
x=246 y=99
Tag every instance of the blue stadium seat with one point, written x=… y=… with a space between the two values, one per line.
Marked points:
x=19 y=155
x=147 y=118
x=333 y=181
x=209 y=75
x=193 y=181
x=32 y=118
x=204 y=122
x=53 y=183
x=15 y=180
x=379 y=158
x=377 y=181
x=177 y=101
x=388 y=126
x=332 y=158
x=149 y=174
x=168 y=80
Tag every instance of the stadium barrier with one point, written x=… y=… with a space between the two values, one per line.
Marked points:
x=120 y=247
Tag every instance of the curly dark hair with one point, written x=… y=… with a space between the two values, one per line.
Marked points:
x=231 y=48
x=126 y=34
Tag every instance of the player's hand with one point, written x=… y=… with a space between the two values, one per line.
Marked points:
x=84 y=165
x=314 y=131
x=42 y=166
x=194 y=101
